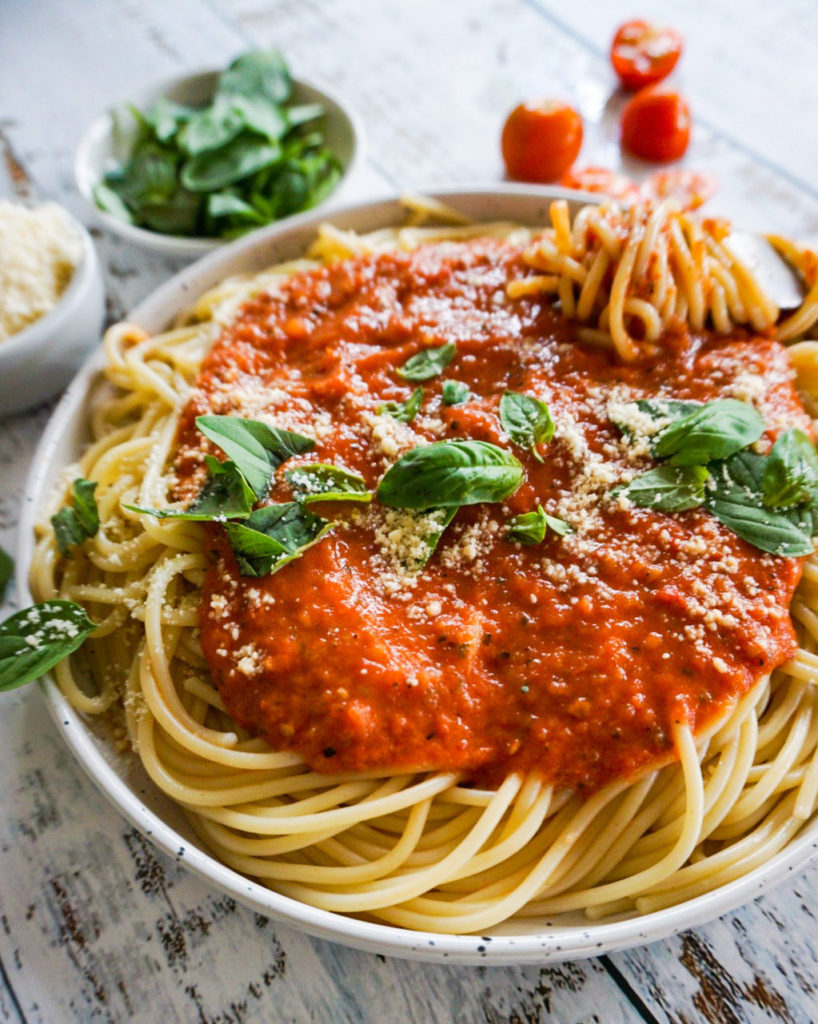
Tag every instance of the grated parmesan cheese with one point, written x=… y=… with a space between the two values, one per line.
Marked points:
x=39 y=252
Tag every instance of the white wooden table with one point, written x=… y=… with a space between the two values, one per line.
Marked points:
x=94 y=924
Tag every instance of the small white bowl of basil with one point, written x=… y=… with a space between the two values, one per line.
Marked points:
x=196 y=161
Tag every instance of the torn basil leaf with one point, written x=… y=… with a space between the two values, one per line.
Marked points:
x=668 y=488
x=225 y=495
x=455 y=392
x=791 y=471
x=273 y=536
x=322 y=482
x=527 y=421
x=256 y=448
x=33 y=640
x=404 y=412
x=76 y=522
x=779 y=533
x=734 y=497
x=558 y=525
x=429 y=363
x=450 y=473
x=531 y=527
x=436 y=521
x=716 y=430
x=6 y=571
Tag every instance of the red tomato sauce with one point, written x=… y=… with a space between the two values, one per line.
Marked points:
x=574 y=656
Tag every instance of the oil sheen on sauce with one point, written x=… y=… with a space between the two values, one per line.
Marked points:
x=574 y=656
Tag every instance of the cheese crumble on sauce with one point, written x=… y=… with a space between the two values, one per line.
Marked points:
x=575 y=655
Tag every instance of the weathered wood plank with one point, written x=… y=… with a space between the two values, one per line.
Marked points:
x=105 y=928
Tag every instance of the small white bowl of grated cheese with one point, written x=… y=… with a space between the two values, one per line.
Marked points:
x=52 y=302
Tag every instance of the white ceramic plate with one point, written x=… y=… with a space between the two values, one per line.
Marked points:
x=128 y=788
x=100 y=149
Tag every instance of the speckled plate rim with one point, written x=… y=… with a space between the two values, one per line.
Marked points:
x=552 y=943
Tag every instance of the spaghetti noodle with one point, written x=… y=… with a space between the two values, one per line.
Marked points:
x=423 y=849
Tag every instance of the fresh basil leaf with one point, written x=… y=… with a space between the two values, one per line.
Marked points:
x=262 y=116
x=528 y=528
x=225 y=204
x=108 y=200
x=429 y=363
x=212 y=127
x=167 y=117
x=531 y=527
x=225 y=495
x=404 y=412
x=668 y=488
x=436 y=521
x=75 y=523
x=455 y=392
x=558 y=525
x=273 y=536
x=33 y=640
x=715 y=431
x=527 y=420
x=303 y=113
x=262 y=73
x=778 y=533
x=791 y=471
x=321 y=482
x=178 y=216
x=739 y=478
x=256 y=448
x=735 y=498
x=6 y=571
x=244 y=155
x=450 y=473
x=148 y=177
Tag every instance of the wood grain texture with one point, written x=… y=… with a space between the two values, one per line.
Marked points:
x=94 y=924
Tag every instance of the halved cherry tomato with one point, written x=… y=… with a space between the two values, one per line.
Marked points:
x=602 y=180
x=541 y=140
x=691 y=188
x=656 y=124
x=643 y=53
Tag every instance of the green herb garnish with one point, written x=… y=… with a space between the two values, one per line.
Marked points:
x=531 y=527
x=273 y=536
x=429 y=363
x=526 y=420
x=668 y=488
x=256 y=448
x=791 y=472
x=455 y=392
x=76 y=522
x=321 y=482
x=714 y=431
x=437 y=520
x=33 y=640
x=770 y=501
x=404 y=412
x=225 y=495
x=6 y=571
x=450 y=473
x=735 y=497
x=248 y=158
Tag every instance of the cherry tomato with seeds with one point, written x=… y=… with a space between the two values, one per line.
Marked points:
x=643 y=53
x=541 y=140
x=656 y=124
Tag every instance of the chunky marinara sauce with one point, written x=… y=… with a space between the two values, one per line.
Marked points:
x=574 y=656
